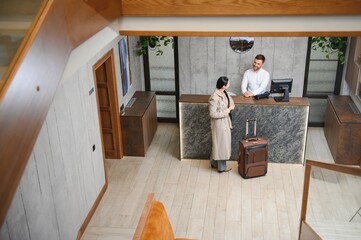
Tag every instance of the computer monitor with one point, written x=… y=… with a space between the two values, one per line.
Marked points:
x=283 y=86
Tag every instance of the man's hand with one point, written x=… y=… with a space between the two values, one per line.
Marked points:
x=248 y=94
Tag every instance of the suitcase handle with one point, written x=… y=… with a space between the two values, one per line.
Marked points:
x=254 y=120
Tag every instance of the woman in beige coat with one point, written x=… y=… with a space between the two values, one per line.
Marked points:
x=220 y=107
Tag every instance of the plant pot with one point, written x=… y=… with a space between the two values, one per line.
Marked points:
x=152 y=45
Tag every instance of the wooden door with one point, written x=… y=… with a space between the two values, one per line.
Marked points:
x=108 y=106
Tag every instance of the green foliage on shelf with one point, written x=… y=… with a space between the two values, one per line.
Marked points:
x=153 y=42
x=331 y=45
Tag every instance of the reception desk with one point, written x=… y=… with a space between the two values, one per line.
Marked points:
x=283 y=124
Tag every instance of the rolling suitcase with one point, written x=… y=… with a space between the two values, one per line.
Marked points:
x=253 y=154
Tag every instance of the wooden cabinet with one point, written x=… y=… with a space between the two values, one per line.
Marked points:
x=139 y=123
x=343 y=131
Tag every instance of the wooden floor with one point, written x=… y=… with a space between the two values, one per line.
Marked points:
x=204 y=204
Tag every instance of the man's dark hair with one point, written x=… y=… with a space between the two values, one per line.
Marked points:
x=260 y=57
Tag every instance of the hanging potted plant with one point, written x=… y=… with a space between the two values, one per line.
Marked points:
x=331 y=45
x=153 y=43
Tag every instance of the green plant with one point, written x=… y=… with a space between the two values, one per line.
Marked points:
x=153 y=42
x=331 y=45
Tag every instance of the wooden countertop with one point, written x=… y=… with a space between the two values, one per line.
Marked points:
x=140 y=105
x=293 y=101
x=341 y=105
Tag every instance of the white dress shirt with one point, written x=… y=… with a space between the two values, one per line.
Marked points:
x=255 y=81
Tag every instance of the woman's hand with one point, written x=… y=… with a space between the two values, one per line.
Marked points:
x=230 y=109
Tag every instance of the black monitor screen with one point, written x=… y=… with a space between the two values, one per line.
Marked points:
x=281 y=86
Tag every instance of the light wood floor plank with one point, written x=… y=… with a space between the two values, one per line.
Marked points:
x=203 y=204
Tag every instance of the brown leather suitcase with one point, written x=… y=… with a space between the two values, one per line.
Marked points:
x=253 y=154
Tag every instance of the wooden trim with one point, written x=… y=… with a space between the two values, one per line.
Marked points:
x=230 y=34
x=239 y=8
x=306 y=185
x=116 y=107
x=114 y=96
x=143 y=217
x=92 y=211
x=355 y=171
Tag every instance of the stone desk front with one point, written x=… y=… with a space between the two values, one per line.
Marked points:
x=283 y=124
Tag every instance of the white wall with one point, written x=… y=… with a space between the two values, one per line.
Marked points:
x=64 y=175
x=243 y=24
x=202 y=60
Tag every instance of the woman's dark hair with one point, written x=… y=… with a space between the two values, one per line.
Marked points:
x=222 y=81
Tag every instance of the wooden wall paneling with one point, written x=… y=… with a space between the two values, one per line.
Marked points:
x=109 y=9
x=238 y=8
x=84 y=20
x=25 y=103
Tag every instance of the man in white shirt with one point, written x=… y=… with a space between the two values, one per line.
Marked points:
x=256 y=79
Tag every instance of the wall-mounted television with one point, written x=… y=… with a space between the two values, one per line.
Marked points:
x=283 y=86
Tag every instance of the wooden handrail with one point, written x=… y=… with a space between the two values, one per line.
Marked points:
x=355 y=171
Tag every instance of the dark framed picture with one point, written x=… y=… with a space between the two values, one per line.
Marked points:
x=124 y=64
